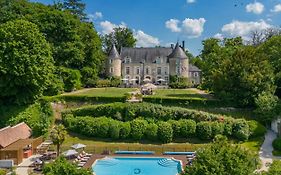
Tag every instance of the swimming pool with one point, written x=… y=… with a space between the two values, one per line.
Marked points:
x=137 y=166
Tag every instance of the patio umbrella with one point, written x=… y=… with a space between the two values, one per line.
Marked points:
x=78 y=146
x=134 y=79
x=69 y=153
x=38 y=161
x=124 y=79
x=146 y=80
x=161 y=79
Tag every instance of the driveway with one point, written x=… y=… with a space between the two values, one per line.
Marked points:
x=22 y=169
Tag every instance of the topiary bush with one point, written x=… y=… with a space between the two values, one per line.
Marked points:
x=217 y=128
x=277 y=144
x=241 y=129
x=165 y=132
x=187 y=128
x=125 y=130
x=256 y=129
x=114 y=129
x=176 y=125
x=204 y=130
x=151 y=131
x=138 y=127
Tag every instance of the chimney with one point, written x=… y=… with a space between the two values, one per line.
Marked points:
x=183 y=45
x=172 y=46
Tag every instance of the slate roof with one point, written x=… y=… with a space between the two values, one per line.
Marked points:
x=193 y=68
x=113 y=54
x=9 y=135
x=178 y=53
x=148 y=55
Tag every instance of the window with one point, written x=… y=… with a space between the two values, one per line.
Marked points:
x=127 y=70
x=147 y=70
x=166 y=70
x=178 y=66
x=137 y=70
x=195 y=74
x=111 y=70
x=178 y=69
x=158 y=60
x=127 y=60
x=166 y=79
x=158 y=70
x=110 y=61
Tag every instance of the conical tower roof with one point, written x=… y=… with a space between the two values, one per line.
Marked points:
x=178 y=53
x=113 y=54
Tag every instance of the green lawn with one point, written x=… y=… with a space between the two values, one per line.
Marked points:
x=102 y=92
x=253 y=144
x=99 y=145
x=120 y=92
x=180 y=94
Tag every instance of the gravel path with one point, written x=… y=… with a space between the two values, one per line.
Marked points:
x=265 y=152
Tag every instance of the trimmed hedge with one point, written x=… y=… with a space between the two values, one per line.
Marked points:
x=130 y=111
x=138 y=129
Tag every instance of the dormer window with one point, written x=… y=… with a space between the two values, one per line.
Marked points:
x=127 y=60
x=110 y=61
x=158 y=60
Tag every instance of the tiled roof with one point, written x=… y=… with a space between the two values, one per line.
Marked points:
x=113 y=54
x=148 y=55
x=9 y=135
x=193 y=68
x=178 y=53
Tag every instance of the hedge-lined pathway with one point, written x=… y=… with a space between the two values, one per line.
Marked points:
x=265 y=152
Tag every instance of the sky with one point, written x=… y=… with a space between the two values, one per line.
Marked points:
x=162 y=22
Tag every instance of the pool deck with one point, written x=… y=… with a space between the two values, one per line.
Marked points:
x=99 y=156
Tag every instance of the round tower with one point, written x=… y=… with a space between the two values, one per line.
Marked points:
x=113 y=66
x=178 y=62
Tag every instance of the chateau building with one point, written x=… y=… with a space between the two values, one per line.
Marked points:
x=155 y=64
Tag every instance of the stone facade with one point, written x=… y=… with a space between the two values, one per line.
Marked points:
x=134 y=65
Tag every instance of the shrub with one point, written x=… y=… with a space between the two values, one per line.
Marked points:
x=165 y=132
x=103 y=83
x=228 y=126
x=217 y=128
x=115 y=81
x=3 y=172
x=151 y=131
x=204 y=130
x=176 y=125
x=71 y=78
x=138 y=127
x=89 y=77
x=256 y=129
x=241 y=129
x=114 y=130
x=187 y=127
x=277 y=144
x=125 y=130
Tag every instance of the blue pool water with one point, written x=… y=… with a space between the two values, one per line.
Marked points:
x=136 y=166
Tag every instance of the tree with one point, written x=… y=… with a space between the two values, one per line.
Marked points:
x=235 y=72
x=57 y=136
x=223 y=158
x=75 y=7
x=26 y=64
x=62 y=166
x=121 y=37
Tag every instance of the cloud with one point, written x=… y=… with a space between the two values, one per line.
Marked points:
x=218 y=36
x=190 y=1
x=145 y=40
x=97 y=15
x=107 y=27
x=172 y=24
x=244 y=29
x=276 y=9
x=256 y=8
x=192 y=28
